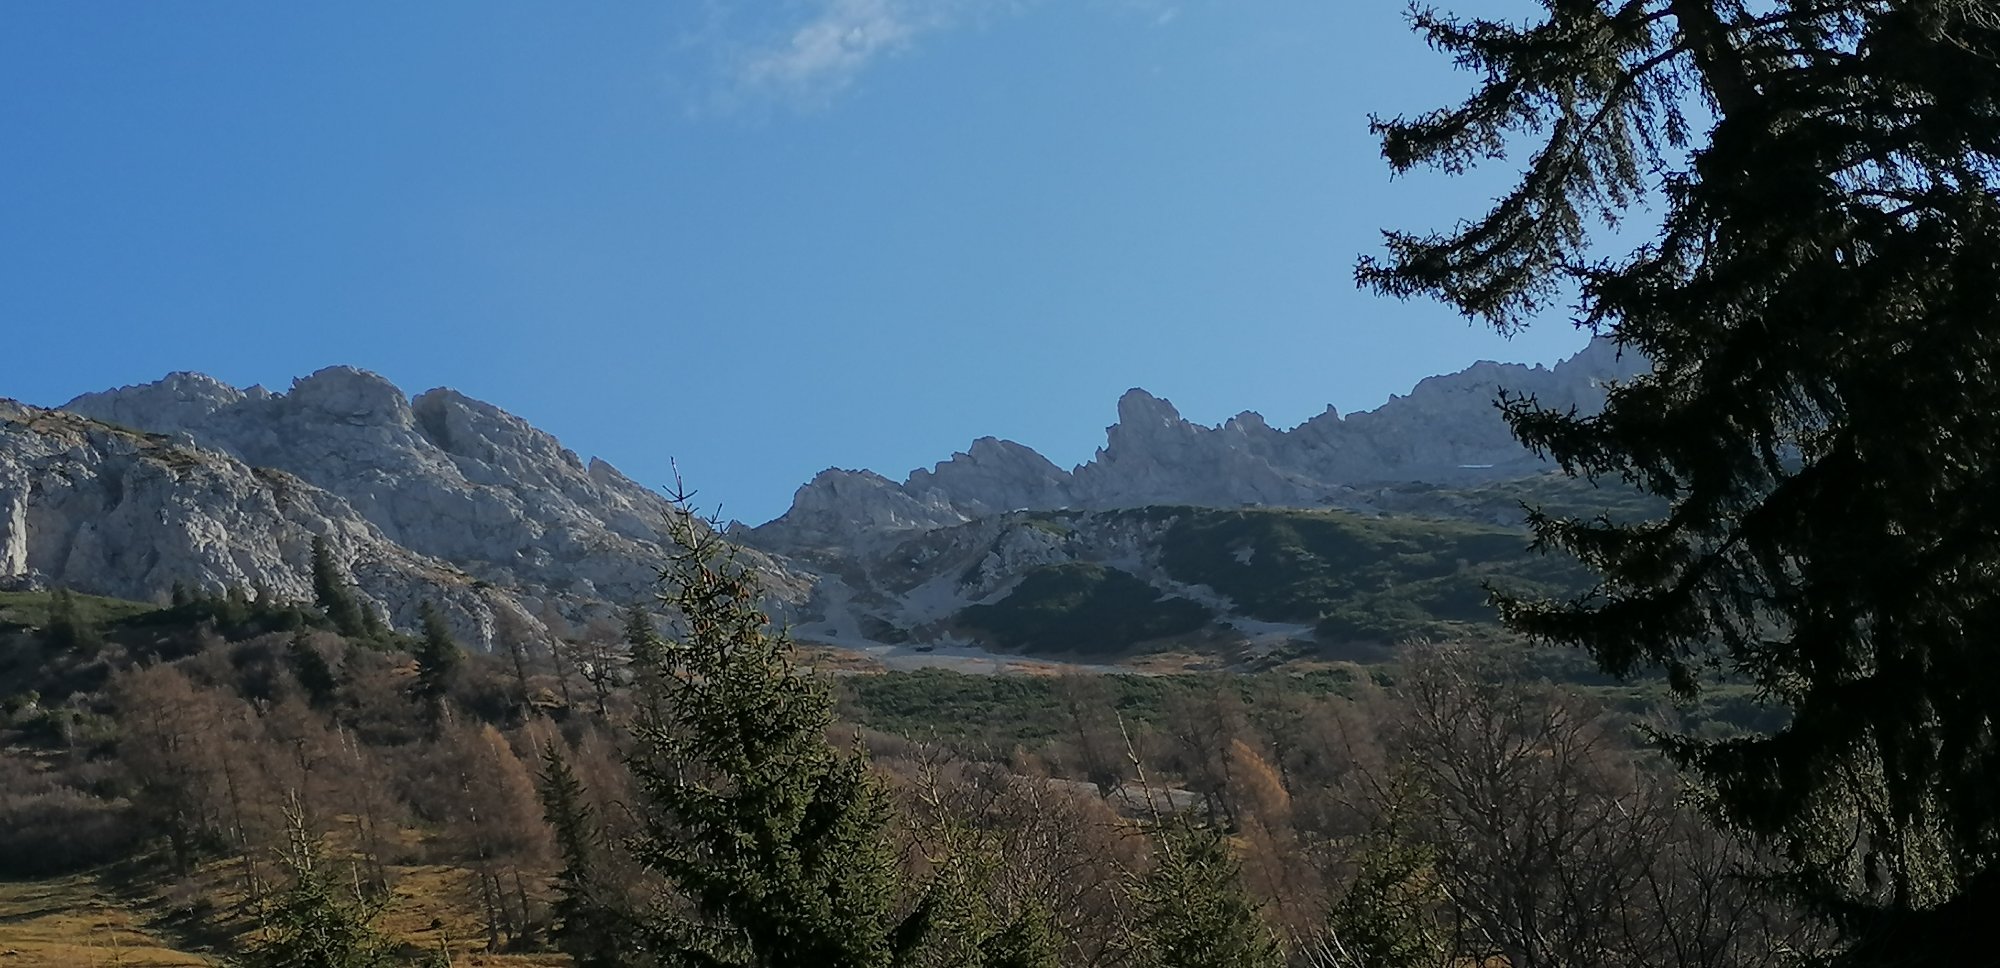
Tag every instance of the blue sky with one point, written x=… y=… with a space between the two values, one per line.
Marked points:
x=763 y=238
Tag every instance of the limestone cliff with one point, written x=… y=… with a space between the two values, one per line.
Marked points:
x=112 y=511
x=1445 y=431
x=442 y=475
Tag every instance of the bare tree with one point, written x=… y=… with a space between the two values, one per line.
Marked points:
x=1554 y=842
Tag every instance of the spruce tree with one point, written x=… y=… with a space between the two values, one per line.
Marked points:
x=335 y=595
x=1386 y=917
x=314 y=673
x=1820 y=301
x=1028 y=941
x=587 y=927
x=645 y=646
x=640 y=633
x=773 y=840
x=438 y=658
x=311 y=925
x=1194 y=911
x=67 y=630
x=957 y=921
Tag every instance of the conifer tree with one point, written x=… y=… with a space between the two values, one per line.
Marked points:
x=67 y=630
x=1193 y=909
x=645 y=646
x=438 y=658
x=1818 y=299
x=772 y=839
x=311 y=925
x=957 y=919
x=314 y=673
x=335 y=595
x=640 y=633
x=234 y=608
x=1386 y=917
x=587 y=928
x=1028 y=941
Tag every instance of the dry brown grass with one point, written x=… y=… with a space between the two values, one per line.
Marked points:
x=71 y=921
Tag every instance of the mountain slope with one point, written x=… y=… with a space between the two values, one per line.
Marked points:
x=1098 y=584
x=190 y=480
x=441 y=474
x=116 y=512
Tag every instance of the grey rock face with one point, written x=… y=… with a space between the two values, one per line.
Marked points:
x=1154 y=456
x=445 y=497
x=13 y=529
x=993 y=476
x=1446 y=430
x=839 y=505
x=115 y=512
x=444 y=475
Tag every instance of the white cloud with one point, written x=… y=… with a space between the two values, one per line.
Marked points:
x=815 y=50
x=824 y=55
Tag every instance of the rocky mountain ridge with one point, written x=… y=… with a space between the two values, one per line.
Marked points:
x=440 y=496
x=437 y=490
x=1446 y=430
x=117 y=512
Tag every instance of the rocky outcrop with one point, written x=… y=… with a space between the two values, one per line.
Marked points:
x=839 y=506
x=14 y=528
x=993 y=476
x=1445 y=431
x=112 y=511
x=1154 y=456
x=443 y=475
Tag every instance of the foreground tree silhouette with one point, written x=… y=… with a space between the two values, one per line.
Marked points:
x=1821 y=304
x=773 y=840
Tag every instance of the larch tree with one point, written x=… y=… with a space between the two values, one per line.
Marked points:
x=1817 y=286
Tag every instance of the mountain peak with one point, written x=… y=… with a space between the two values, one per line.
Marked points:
x=1445 y=430
x=1138 y=408
x=352 y=394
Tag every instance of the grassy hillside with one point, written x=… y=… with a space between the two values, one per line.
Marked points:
x=20 y=610
x=1356 y=577
x=1084 y=609
x=1503 y=502
x=75 y=921
x=1353 y=577
x=94 y=919
x=1001 y=713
